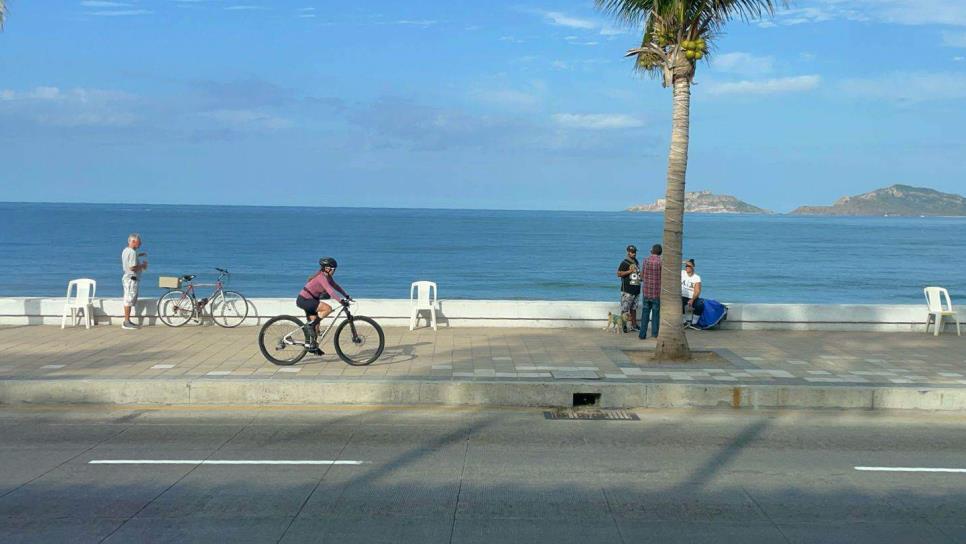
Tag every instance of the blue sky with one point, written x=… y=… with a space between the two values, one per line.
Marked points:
x=466 y=104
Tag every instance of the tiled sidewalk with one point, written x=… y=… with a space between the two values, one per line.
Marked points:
x=488 y=354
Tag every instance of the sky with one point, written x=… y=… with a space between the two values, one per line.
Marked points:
x=467 y=104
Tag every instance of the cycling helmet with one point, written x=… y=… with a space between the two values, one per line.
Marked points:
x=328 y=261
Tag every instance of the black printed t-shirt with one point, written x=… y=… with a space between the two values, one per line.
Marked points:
x=626 y=286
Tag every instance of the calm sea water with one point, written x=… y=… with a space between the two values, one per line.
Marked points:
x=476 y=254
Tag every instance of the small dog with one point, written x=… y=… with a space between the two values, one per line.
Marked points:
x=616 y=322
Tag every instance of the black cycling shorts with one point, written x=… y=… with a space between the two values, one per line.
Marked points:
x=310 y=305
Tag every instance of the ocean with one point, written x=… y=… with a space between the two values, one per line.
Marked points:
x=478 y=254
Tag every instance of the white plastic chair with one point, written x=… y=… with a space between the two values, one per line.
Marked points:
x=83 y=299
x=423 y=296
x=938 y=310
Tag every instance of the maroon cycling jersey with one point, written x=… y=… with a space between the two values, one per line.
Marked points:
x=322 y=283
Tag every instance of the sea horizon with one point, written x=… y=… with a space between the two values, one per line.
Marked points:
x=479 y=254
x=293 y=206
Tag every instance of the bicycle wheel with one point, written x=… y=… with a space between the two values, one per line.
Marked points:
x=175 y=308
x=229 y=309
x=362 y=343
x=282 y=340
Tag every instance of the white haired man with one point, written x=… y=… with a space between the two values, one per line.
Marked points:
x=131 y=266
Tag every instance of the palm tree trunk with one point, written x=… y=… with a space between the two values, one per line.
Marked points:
x=672 y=344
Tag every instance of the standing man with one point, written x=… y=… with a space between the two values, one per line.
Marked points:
x=651 y=292
x=131 y=266
x=690 y=289
x=628 y=272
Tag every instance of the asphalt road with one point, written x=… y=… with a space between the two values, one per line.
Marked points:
x=448 y=475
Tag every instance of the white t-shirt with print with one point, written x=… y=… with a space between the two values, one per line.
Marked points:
x=129 y=259
x=688 y=283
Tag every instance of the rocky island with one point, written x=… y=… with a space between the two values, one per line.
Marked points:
x=703 y=202
x=897 y=200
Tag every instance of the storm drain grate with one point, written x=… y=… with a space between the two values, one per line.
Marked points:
x=591 y=415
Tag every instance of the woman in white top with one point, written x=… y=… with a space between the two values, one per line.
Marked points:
x=690 y=288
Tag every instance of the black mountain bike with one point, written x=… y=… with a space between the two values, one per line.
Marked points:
x=358 y=340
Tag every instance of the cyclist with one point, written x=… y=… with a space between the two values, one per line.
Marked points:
x=320 y=286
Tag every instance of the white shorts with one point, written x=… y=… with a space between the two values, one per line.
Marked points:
x=130 y=285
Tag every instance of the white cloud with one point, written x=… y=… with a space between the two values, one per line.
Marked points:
x=421 y=22
x=88 y=119
x=561 y=19
x=597 y=121
x=242 y=119
x=573 y=64
x=743 y=63
x=607 y=30
x=909 y=86
x=79 y=107
x=121 y=12
x=510 y=98
x=767 y=86
x=959 y=59
x=574 y=40
x=916 y=12
x=904 y=12
x=243 y=7
x=56 y=94
x=104 y=4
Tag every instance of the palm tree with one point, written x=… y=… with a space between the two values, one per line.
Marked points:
x=3 y=12
x=676 y=36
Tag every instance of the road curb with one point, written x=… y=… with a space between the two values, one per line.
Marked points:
x=209 y=392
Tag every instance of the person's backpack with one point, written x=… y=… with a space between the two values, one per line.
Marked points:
x=713 y=314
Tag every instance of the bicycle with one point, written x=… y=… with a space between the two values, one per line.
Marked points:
x=227 y=308
x=283 y=340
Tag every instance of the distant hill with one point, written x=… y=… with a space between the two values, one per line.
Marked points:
x=898 y=200
x=703 y=202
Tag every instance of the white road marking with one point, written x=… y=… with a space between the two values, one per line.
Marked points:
x=910 y=469
x=220 y=462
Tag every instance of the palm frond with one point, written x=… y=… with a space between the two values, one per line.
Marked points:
x=667 y=23
x=3 y=13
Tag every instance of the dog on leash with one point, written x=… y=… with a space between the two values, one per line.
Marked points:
x=616 y=323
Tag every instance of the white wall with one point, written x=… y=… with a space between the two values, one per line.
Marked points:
x=513 y=313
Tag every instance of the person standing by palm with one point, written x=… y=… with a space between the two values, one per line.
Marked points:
x=651 y=292
x=629 y=273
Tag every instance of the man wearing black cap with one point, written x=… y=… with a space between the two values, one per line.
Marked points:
x=629 y=273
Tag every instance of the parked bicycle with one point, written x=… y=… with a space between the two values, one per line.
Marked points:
x=226 y=308
x=358 y=340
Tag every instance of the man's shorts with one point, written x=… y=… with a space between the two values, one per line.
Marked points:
x=130 y=285
x=628 y=303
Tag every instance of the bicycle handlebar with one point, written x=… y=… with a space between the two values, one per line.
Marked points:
x=222 y=270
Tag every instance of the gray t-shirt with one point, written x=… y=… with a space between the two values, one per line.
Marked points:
x=129 y=259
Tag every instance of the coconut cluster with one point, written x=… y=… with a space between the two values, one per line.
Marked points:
x=694 y=49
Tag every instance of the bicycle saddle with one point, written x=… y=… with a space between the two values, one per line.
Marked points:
x=188 y=277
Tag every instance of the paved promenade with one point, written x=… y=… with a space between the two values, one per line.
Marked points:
x=502 y=354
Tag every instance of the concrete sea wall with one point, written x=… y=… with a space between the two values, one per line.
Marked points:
x=517 y=313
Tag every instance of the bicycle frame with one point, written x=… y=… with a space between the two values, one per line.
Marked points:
x=333 y=319
x=190 y=292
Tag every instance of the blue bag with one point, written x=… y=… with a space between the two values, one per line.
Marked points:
x=712 y=314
